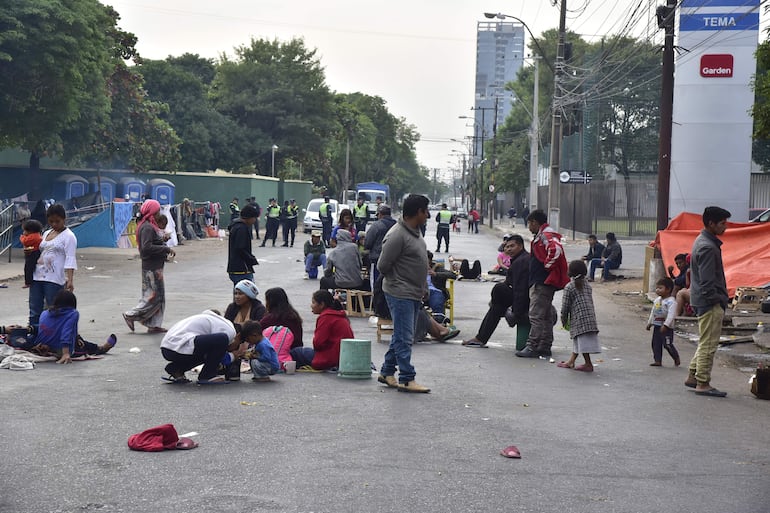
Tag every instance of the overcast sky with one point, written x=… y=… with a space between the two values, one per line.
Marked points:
x=419 y=55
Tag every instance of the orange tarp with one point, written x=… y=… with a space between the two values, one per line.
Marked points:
x=745 y=252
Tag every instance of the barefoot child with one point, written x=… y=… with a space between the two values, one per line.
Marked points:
x=579 y=317
x=31 y=237
x=662 y=318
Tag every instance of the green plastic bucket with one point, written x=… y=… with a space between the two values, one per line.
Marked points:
x=355 y=359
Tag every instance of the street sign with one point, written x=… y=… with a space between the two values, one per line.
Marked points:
x=575 y=176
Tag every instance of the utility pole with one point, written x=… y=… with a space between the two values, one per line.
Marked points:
x=556 y=127
x=534 y=141
x=493 y=167
x=665 y=16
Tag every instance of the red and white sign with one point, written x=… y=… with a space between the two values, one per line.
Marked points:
x=718 y=65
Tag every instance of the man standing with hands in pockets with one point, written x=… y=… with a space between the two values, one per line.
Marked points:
x=403 y=263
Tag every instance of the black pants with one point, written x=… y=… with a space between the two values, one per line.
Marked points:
x=360 y=225
x=326 y=233
x=289 y=230
x=256 y=229
x=30 y=261
x=502 y=298
x=659 y=341
x=271 y=230
x=470 y=273
x=209 y=350
x=442 y=233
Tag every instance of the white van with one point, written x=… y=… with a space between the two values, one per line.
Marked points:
x=312 y=219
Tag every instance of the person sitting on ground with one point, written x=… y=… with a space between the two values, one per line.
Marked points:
x=503 y=262
x=343 y=266
x=345 y=223
x=315 y=255
x=261 y=354
x=469 y=273
x=680 y=280
x=206 y=338
x=425 y=324
x=58 y=332
x=281 y=313
x=595 y=249
x=331 y=327
x=683 y=295
x=245 y=305
x=513 y=293
x=437 y=291
x=612 y=257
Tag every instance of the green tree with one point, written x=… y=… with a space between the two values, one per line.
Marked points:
x=210 y=140
x=277 y=94
x=55 y=60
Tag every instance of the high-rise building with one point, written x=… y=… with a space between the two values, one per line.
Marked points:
x=499 y=57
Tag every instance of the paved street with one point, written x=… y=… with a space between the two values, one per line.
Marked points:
x=627 y=438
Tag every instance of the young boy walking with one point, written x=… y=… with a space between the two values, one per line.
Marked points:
x=662 y=318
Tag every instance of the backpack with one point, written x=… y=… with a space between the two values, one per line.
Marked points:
x=281 y=339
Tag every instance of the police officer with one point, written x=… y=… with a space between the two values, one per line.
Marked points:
x=290 y=223
x=273 y=214
x=235 y=210
x=444 y=218
x=360 y=215
x=325 y=213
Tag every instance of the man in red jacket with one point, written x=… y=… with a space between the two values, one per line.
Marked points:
x=547 y=274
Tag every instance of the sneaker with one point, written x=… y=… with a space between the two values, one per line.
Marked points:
x=391 y=381
x=527 y=352
x=413 y=387
x=306 y=277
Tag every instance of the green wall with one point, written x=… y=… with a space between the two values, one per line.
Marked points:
x=221 y=187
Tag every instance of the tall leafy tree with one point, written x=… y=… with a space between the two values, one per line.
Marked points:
x=55 y=60
x=277 y=94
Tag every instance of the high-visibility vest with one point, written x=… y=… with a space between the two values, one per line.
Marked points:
x=324 y=211
x=291 y=212
x=444 y=218
x=273 y=211
x=361 y=212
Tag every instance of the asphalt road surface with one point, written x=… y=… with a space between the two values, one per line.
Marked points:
x=627 y=438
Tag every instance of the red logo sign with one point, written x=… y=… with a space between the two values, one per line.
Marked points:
x=716 y=65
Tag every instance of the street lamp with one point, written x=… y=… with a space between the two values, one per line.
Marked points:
x=272 y=166
x=502 y=16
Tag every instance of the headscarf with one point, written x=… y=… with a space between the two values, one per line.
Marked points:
x=148 y=210
x=248 y=287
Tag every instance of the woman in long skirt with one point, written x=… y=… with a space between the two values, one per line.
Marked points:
x=154 y=252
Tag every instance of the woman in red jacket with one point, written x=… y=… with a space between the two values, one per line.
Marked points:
x=331 y=326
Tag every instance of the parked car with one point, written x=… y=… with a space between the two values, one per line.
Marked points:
x=312 y=219
x=762 y=217
x=460 y=212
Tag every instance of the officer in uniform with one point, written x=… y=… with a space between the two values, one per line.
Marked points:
x=291 y=212
x=235 y=210
x=325 y=213
x=360 y=215
x=444 y=218
x=273 y=214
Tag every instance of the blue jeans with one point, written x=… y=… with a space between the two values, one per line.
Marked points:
x=303 y=356
x=235 y=278
x=404 y=313
x=606 y=267
x=311 y=266
x=261 y=369
x=436 y=300
x=40 y=292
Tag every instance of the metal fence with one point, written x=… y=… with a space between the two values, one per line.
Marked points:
x=6 y=229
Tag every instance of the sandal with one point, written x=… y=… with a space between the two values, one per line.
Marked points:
x=216 y=380
x=181 y=380
x=566 y=365
x=474 y=343
x=156 y=329
x=583 y=368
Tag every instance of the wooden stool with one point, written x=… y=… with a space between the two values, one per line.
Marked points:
x=354 y=299
x=450 y=302
x=384 y=327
